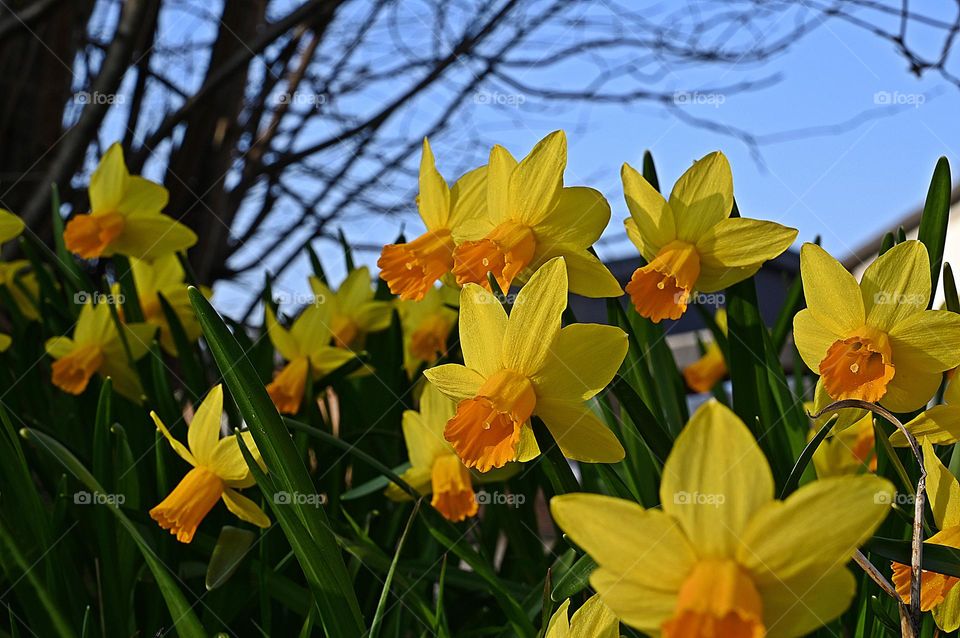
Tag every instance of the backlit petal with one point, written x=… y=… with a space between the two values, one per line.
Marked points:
x=177 y=446
x=927 y=340
x=204 y=430
x=152 y=236
x=832 y=294
x=108 y=181
x=738 y=242
x=651 y=218
x=483 y=323
x=535 y=318
x=142 y=197
x=578 y=219
x=702 y=197
x=499 y=170
x=245 y=509
x=813 y=338
x=455 y=381
x=799 y=605
x=579 y=433
x=536 y=182
x=434 y=198
x=583 y=359
x=896 y=285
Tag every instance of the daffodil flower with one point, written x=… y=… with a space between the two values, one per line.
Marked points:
x=22 y=285
x=165 y=277
x=592 y=620
x=353 y=311
x=525 y=365
x=690 y=242
x=940 y=424
x=98 y=348
x=532 y=218
x=5 y=342
x=875 y=341
x=411 y=269
x=850 y=450
x=125 y=216
x=305 y=346
x=10 y=226
x=722 y=557
x=710 y=368
x=938 y=592
x=219 y=469
x=434 y=466
x=426 y=325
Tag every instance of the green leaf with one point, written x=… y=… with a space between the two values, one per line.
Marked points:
x=574 y=580
x=186 y=354
x=657 y=438
x=804 y=459
x=934 y=220
x=650 y=171
x=950 y=289
x=372 y=486
x=936 y=558
x=388 y=581
x=232 y=546
x=181 y=611
x=311 y=537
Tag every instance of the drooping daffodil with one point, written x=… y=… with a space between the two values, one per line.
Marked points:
x=125 y=216
x=426 y=326
x=848 y=450
x=875 y=341
x=938 y=592
x=219 y=470
x=98 y=348
x=690 y=242
x=722 y=557
x=22 y=285
x=592 y=620
x=533 y=218
x=352 y=309
x=705 y=372
x=525 y=365
x=165 y=277
x=412 y=268
x=305 y=346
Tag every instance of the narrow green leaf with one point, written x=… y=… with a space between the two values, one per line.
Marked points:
x=950 y=289
x=934 y=220
x=388 y=581
x=648 y=426
x=650 y=170
x=232 y=546
x=574 y=580
x=804 y=459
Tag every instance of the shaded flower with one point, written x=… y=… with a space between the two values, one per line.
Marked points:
x=592 y=620
x=426 y=326
x=352 y=309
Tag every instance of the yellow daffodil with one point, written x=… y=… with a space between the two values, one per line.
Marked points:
x=219 y=469
x=22 y=285
x=426 y=327
x=875 y=341
x=306 y=345
x=10 y=226
x=412 y=268
x=5 y=342
x=125 y=216
x=592 y=620
x=434 y=466
x=690 y=242
x=706 y=371
x=850 y=450
x=938 y=592
x=722 y=557
x=98 y=348
x=940 y=424
x=525 y=365
x=165 y=277
x=532 y=218
x=353 y=311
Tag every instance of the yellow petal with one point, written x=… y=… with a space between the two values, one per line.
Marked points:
x=813 y=339
x=947 y=613
x=95 y=325
x=702 y=197
x=943 y=491
x=5 y=342
x=952 y=394
x=455 y=381
x=928 y=340
x=832 y=294
x=109 y=180
x=59 y=347
x=797 y=606
x=281 y=339
x=846 y=417
x=714 y=479
x=436 y=409
x=311 y=330
x=579 y=433
x=583 y=359
x=152 y=236
x=527 y=448
x=896 y=285
x=245 y=509
x=559 y=626
x=177 y=446
x=939 y=424
x=424 y=443
x=326 y=359
x=910 y=389
x=373 y=316
x=126 y=383
x=651 y=225
x=587 y=275
x=535 y=318
x=354 y=290
x=142 y=197
x=536 y=182
x=10 y=225
x=713 y=279
x=594 y=620
x=739 y=242
x=483 y=323
x=139 y=338
x=499 y=170
x=434 y=198
x=643 y=607
x=578 y=219
x=468 y=199
x=204 y=431
x=817 y=528
x=419 y=478
x=228 y=463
